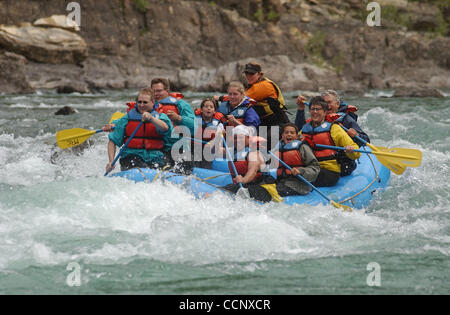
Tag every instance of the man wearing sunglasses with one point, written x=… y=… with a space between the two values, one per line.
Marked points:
x=146 y=149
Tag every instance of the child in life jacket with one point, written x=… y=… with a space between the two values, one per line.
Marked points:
x=208 y=122
x=300 y=158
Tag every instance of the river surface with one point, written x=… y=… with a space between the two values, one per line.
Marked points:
x=61 y=221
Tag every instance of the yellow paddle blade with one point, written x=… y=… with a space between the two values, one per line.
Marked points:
x=272 y=190
x=115 y=116
x=338 y=205
x=407 y=157
x=411 y=158
x=394 y=167
x=72 y=137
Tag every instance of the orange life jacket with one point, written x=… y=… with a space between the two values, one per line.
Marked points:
x=289 y=154
x=169 y=103
x=320 y=135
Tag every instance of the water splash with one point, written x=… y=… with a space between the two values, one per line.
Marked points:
x=58 y=210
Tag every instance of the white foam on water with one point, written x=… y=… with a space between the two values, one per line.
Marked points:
x=95 y=104
x=145 y=221
x=377 y=94
x=53 y=213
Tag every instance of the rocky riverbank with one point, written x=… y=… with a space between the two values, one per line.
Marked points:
x=202 y=45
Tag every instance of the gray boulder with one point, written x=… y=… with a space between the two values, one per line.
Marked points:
x=73 y=87
x=47 y=45
x=12 y=74
x=65 y=111
x=415 y=91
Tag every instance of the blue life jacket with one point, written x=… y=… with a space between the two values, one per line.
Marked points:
x=239 y=112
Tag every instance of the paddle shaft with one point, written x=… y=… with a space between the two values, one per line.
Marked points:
x=369 y=152
x=230 y=160
x=124 y=147
x=196 y=140
x=395 y=166
x=361 y=139
x=301 y=177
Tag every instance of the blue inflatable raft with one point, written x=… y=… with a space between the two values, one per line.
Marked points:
x=355 y=190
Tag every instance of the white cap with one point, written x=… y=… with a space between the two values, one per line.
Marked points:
x=244 y=130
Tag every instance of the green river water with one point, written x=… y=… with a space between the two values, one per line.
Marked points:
x=127 y=238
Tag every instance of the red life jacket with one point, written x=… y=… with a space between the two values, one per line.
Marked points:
x=169 y=103
x=332 y=117
x=147 y=136
x=130 y=105
x=340 y=115
x=348 y=109
x=289 y=154
x=320 y=135
x=241 y=163
x=177 y=95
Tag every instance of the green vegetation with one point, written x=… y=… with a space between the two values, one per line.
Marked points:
x=259 y=15
x=141 y=5
x=315 y=46
x=266 y=14
x=143 y=31
x=272 y=15
x=396 y=15
x=441 y=4
x=404 y=18
x=338 y=62
x=443 y=20
x=122 y=7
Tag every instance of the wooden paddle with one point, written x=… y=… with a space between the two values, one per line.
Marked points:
x=69 y=138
